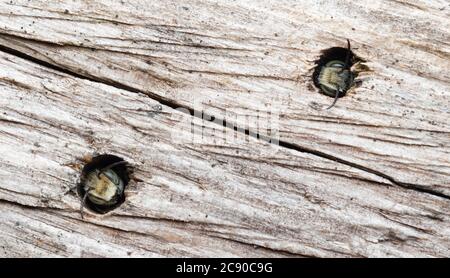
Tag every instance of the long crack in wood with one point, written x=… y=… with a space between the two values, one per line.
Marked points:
x=175 y=105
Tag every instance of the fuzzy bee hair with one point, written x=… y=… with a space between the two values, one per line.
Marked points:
x=103 y=187
x=335 y=77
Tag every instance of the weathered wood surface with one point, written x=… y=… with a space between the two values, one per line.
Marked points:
x=369 y=178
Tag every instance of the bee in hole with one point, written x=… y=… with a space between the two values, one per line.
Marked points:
x=336 y=77
x=103 y=187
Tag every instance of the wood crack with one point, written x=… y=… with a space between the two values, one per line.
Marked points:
x=280 y=251
x=188 y=110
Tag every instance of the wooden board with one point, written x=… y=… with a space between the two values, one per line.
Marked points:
x=368 y=178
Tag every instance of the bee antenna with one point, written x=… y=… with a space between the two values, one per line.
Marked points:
x=338 y=92
x=349 y=53
x=83 y=203
x=110 y=167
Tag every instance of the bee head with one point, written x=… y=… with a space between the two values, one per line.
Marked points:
x=103 y=188
x=335 y=57
x=333 y=74
x=335 y=77
x=103 y=183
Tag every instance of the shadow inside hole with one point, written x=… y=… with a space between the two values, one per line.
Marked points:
x=335 y=54
x=98 y=163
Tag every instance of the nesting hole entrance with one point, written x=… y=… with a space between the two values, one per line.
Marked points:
x=335 y=54
x=104 y=179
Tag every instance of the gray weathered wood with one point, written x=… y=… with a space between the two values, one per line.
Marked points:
x=369 y=178
x=242 y=56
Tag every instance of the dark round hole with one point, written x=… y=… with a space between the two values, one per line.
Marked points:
x=104 y=179
x=335 y=57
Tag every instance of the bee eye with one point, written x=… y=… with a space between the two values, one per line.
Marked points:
x=103 y=182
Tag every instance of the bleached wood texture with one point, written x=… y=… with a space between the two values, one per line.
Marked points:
x=370 y=177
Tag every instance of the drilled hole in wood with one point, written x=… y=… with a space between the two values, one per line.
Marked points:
x=102 y=183
x=333 y=74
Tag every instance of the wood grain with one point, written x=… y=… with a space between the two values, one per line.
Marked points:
x=369 y=178
x=241 y=57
